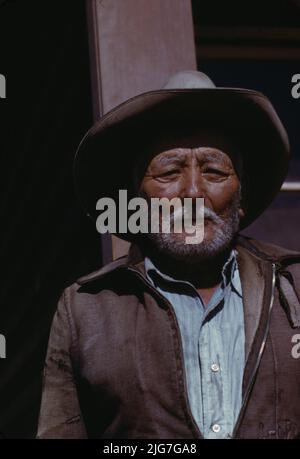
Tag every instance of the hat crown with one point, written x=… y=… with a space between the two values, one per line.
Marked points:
x=189 y=79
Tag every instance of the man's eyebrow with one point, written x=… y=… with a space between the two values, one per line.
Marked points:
x=213 y=156
x=172 y=159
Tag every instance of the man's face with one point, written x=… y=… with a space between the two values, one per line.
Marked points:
x=203 y=172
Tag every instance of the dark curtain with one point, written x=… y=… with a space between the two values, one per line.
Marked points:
x=46 y=241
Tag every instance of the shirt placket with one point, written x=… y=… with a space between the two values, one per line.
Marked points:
x=208 y=402
x=212 y=384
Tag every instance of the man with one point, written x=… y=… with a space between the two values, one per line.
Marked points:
x=181 y=340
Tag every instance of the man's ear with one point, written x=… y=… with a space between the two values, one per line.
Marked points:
x=241 y=212
x=243 y=202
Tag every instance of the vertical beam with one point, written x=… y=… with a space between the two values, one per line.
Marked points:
x=135 y=45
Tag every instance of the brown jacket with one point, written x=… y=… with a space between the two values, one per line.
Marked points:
x=114 y=366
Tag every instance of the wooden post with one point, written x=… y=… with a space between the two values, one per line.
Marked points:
x=135 y=45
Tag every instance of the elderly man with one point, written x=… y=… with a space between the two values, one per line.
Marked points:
x=181 y=340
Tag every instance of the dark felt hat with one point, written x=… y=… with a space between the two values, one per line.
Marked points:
x=190 y=102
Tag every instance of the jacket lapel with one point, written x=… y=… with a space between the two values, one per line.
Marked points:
x=251 y=270
x=258 y=282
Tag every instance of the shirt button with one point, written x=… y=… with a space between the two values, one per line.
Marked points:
x=216 y=428
x=215 y=367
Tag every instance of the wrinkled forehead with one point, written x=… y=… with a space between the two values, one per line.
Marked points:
x=214 y=144
x=181 y=155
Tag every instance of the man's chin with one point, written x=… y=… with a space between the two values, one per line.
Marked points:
x=174 y=246
x=218 y=238
x=184 y=237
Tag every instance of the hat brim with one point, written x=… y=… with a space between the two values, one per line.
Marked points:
x=106 y=156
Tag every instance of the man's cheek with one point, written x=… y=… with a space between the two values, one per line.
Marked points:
x=171 y=189
x=222 y=201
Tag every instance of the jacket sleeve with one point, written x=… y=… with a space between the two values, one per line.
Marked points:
x=60 y=415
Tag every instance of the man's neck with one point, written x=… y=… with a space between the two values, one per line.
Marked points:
x=205 y=275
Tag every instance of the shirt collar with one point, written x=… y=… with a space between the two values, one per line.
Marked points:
x=230 y=274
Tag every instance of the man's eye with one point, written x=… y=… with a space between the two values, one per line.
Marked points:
x=216 y=172
x=169 y=173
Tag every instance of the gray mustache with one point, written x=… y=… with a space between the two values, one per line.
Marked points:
x=209 y=214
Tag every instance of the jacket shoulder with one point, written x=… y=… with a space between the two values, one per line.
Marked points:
x=99 y=273
x=269 y=251
x=97 y=291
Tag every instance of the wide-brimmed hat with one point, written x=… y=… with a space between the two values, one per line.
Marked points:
x=190 y=102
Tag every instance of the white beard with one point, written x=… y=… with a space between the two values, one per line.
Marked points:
x=224 y=230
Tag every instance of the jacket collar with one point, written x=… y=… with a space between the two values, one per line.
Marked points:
x=246 y=248
x=255 y=260
x=133 y=260
x=253 y=274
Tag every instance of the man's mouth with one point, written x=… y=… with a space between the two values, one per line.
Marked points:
x=195 y=219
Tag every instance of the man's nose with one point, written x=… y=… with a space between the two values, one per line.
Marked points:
x=193 y=186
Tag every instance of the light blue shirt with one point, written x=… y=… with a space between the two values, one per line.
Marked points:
x=213 y=340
